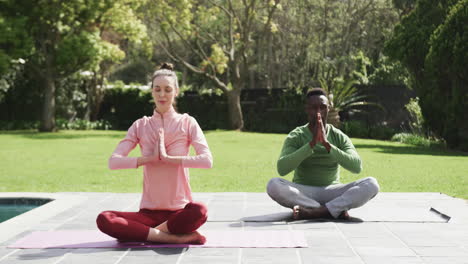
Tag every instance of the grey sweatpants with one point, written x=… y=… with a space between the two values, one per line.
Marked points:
x=337 y=197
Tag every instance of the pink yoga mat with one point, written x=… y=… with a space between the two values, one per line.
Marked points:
x=215 y=238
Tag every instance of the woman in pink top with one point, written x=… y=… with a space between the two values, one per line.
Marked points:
x=167 y=212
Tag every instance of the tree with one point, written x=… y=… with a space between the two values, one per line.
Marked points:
x=447 y=77
x=405 y=6
x=14 y=43
x=317 y=38
x=430 y=43
x=219 y=38
x=69 y=36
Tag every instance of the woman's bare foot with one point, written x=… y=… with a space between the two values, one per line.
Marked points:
x=300 y=212
x=158 y=236
x=193 y=238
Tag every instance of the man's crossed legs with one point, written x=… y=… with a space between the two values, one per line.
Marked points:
x=334 y=201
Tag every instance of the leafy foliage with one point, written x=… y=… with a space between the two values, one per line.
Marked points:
x=345 y=97
x=68 y=36
x=417 y=140
x=431 y=43
x=416 y=117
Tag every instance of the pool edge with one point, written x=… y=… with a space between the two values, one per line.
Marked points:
x=23 y=222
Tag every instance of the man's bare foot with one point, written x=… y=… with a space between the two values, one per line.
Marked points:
x=300 y=212
x=344 y=216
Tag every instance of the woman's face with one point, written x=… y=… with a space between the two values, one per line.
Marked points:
x=164 y=93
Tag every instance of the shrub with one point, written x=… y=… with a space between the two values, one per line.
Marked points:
x=122 y=106
x=415 y=115
x=360 y=129
x=417 y=140
x=381 y=132
x=18 y=124
x=355 y=129
x=80 y=124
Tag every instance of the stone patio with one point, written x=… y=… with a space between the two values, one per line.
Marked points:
x=393 y=228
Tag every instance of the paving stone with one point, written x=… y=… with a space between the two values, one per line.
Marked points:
x=334 y=260
x=99 y=252
x=441 y=251
x=391 y=260
x=363 y=229
x=427 y=240
x=266 y=226
x=327 y=252
x=75 y=259
x=269 y=255
x=209 y=260
x=445 y=260
x=5 y=251
x=151 y=252
x=329 y=241
x=325 y=239
x=300 y=225
x=29 y=261
x=384 y=251
x=212 y=252
x=382 y=241
x=41 y=253
x=35 y=256
x=149 y=259
x=221 y=226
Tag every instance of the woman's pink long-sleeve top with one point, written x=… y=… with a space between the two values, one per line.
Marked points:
x=165 y=185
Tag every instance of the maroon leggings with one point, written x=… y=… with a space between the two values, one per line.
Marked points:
x=135 y=226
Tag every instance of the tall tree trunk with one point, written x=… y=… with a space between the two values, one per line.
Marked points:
x=234 y=108
x=89 y=100
x=48 y=109
x=99 y=89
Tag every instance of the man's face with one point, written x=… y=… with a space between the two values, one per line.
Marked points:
x=316 y=104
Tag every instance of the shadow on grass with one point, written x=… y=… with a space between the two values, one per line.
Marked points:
x=65 y=135
x=413 y=150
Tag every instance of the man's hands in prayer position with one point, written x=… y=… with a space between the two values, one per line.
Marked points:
x=320 y=134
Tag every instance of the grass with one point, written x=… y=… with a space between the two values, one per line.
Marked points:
x=76 y=161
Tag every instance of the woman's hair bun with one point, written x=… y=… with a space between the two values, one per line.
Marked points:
x=167 y=66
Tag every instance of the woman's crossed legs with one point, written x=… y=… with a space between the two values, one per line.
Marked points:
x=160 y=226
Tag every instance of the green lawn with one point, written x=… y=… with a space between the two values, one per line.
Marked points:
x=76 y=161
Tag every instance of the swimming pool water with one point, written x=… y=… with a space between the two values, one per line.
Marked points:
x=11 y=207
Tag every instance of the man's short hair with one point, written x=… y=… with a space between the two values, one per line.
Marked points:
x=316 y=91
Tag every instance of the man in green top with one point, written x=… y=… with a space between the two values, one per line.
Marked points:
x=315 y=151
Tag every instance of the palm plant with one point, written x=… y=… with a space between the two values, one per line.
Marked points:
x=345 y=97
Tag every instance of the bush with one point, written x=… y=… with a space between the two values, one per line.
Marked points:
x=210 y=110
x=417 y=140
x=122 y=106
x=415 y=115
x=381 y=132
x=80 y=124
x=360 y=129
x=263 y=110
x=356 y=129
x=18 y=124
x=273 y=111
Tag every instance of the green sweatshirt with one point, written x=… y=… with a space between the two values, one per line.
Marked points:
x=315 y=166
